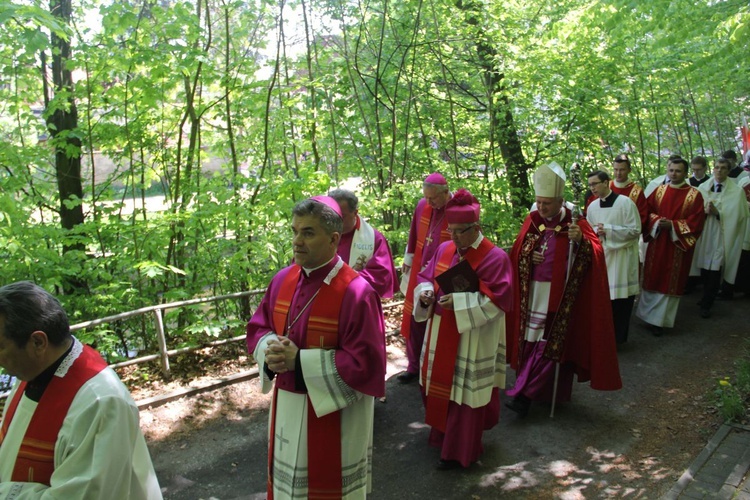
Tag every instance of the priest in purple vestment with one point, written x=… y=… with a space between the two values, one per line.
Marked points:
x=427 y=232
x=463 y=359
x=364 y=248
x=319 y=333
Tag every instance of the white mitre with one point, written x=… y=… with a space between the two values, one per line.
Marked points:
x=549 y=181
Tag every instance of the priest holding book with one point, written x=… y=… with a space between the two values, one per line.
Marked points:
x=463 y=358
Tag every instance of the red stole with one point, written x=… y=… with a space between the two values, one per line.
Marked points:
x=36 y=456
x=446 y=348
x=590 y=342
x=667 y=262
x=323 y=459
x=423 y=232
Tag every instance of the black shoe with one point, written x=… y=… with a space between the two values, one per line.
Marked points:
x=725 y=296
x=407 y=377
x=657 y=331
x=520 y=405
x=705 y=313
x=448 y=464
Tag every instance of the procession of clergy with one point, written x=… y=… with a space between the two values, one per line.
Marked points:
x=470 y=310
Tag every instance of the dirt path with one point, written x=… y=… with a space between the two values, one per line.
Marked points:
x=633 y=443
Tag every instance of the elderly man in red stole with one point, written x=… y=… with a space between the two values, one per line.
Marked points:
x=364 y=248
x=675 y=222
x=69 y=429
x=562 y=317
x=319 y=333
x=427 y=232
x=463 y=359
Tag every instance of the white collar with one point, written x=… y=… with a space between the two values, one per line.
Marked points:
x=309 y=270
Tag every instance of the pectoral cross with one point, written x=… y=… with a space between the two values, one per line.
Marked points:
x=281 y=440
x=544 y=246
x=428 y=240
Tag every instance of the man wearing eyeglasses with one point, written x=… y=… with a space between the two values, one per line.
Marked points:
x=675 y=222
x=463 y=361
x=559 y=277
x=617 y=223
x=622 y=185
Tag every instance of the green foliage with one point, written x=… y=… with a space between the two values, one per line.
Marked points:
x=199 y=133
x=730 y=401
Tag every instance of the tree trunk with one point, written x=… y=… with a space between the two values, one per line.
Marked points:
x=502 y=125
x=62 y=122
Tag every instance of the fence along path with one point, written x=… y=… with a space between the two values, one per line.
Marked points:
x=164 y=352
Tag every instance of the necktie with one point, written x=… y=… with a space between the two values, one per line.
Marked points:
x=718 y=188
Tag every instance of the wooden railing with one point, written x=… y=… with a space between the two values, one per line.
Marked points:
x=164 y=352
x=158 y=310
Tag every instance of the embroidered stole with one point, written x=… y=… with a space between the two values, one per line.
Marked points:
x=563 y=290
x=423 y=232
x=362 y=245
x=323 y=458
x=35 y=461
x=635 y=192
x=443 y=366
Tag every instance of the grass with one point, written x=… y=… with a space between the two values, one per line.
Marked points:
x=732 y=398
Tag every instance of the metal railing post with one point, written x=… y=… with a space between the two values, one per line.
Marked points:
x=162 y=345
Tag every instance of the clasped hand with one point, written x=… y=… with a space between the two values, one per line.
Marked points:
x=665 y=224
x=711 y=209
x=281 y=353
x=428 y=298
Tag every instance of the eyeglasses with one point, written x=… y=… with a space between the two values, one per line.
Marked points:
x=459 y=231
x=594 y=184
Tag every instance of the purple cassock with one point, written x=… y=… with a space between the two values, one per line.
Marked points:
x=433 y=237
x=360 y=357
x=379 y=270
x=479 y=371
x=416 y=337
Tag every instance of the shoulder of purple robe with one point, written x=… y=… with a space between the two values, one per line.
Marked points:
x=496 y=272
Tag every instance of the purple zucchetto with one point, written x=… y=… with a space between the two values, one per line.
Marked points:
x=329 y=202
x=436 y=178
